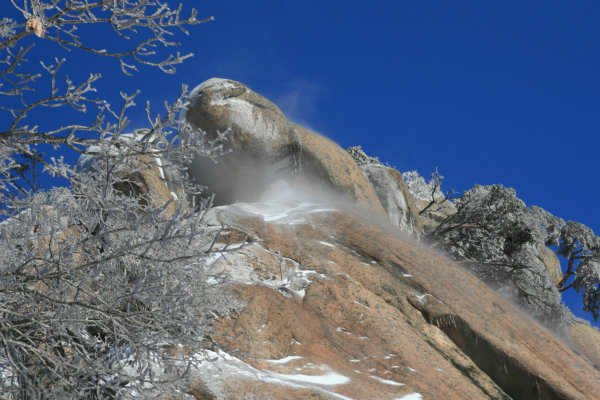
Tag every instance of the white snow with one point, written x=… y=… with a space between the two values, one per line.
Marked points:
x=327 y=244
x=159 y=164
x=329 y=379
x=285 y=212
x=407 y=275
x=284 y=360
x=210 y=260
x=215 y=83
x=360 y=304
x=229 y=367
x=412 y=396
x=422 y=296
x=310 y=272
x=386 y=381
x=411 y=369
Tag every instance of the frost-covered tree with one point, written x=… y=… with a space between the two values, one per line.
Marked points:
x=581 y=247
x=102 y=289
x=498 y=237
x=429 y=191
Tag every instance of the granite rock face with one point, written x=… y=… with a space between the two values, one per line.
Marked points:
x=265 y=147
x=393 y=193
x=341 y=305
x=395 y=198
x=551 y=261
x=340 y=308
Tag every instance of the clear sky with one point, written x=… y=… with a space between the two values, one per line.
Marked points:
x=488 y=91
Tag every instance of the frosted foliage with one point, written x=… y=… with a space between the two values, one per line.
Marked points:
x=496 y=236
x=96 y=284
x=7 y=27
x=587 y=280
x=548 y=226
x=581 y=246
x=102 y=286
x=423 y=190
x=360 y=157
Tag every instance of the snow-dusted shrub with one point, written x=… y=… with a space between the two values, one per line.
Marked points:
x=496 y=235
x=360 y=157
x=422 y=190
x=581 y=247
x=102 y=289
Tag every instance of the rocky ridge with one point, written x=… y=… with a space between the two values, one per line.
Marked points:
x=344 y=304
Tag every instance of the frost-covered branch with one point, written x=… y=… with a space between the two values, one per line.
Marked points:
x=103 y=292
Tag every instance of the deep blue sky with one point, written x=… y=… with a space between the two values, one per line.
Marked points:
x=488 y=91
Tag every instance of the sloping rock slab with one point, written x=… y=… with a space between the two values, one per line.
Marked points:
x=587 y=340
x=381 y=318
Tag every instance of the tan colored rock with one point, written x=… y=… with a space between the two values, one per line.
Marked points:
x=438 y=212
x=148 y=178
x=551 y=261
x=265 y=147
x=143 y=176
x=380 y=318
x=395 y=197
x=587 y=341
x=330 y=164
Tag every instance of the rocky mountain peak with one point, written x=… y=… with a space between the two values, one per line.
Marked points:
x=344 y=302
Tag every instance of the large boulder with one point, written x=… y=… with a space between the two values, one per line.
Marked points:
x=265 y=146
x=395 y=198
x=391 y=190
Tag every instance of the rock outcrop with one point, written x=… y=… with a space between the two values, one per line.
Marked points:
x=437 y=212
x=341 y=307
x=551 y=261
x=141 y=176
x=392 y=192
x=337 y=307
x=266 y=146
x=395 y=198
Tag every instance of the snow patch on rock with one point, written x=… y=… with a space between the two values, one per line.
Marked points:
x=215 y=368
x=387 y=381
x=411 y=396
